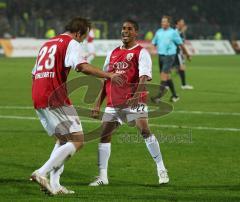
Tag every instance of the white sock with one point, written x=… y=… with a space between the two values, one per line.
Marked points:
x=57 y=158
x=154 y=149
x=104 y=150
x=55 y=177
x=55 y=174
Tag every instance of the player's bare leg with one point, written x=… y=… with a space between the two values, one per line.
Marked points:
x=104 y=151
x=153 y=148
x=73 y=142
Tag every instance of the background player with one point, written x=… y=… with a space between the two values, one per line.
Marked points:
x=127 y=102
x=90 y=46
x=53 y=107
x=179 y=62
x=167 y=39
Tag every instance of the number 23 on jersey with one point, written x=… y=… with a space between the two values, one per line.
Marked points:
x=46 y=58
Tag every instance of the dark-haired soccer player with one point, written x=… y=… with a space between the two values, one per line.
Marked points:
x=127 y=103
x=179 y=62
x=49 y=94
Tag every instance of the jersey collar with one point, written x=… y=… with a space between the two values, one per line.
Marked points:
x=121 y=47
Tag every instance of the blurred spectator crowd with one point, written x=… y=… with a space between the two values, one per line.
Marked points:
x=24 y=18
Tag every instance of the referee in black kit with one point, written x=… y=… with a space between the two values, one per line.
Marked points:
x=167 y=39
x=179 y=63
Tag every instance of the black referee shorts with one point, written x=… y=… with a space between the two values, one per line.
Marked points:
x=166 y=63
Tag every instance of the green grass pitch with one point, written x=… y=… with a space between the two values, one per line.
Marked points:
x=200 y=148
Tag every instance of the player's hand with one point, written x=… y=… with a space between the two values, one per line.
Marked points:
x=95 y=112
x=133 y=101
x=117 y=79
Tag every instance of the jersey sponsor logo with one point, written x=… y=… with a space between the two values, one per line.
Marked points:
x=120 y=65
x=129 y=56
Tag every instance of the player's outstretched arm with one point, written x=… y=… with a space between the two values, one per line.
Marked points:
x=89 y=69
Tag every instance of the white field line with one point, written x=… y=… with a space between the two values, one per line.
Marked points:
x=19 y=117
x=154 y=125
x=176 y=111
x=196 y=127
x=36 y=118
x=209 y=113
x=16 y=107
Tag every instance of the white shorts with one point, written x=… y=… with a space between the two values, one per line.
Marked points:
x=62 y=120
x=181 y=59
x=126 y=115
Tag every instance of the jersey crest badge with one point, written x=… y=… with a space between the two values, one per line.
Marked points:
x=129 y=56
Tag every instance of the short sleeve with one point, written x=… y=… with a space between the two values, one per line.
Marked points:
x=177 y=38
x=145 y=64
x=74 y=55
x=107 y=61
